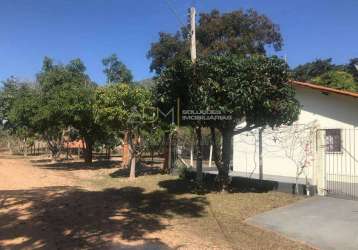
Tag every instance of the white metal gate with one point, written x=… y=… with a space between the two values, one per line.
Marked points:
x=340 y=162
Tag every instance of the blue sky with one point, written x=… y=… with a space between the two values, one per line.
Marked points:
x=93 y=29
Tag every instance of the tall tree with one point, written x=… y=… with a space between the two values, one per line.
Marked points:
x=7 y=96
x=67 y=99
x=352 y=68
x=238 y=32
x=310 y=70
x=21 y=113
x=116 y=71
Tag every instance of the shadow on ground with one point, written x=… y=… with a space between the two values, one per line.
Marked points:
x=11 y=156
x=67 y=218
x=76 y=165
x=141 y=170
x=210 y=184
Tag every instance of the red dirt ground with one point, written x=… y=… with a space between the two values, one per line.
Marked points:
x=47 y=205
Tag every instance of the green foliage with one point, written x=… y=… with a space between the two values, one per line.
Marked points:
x=122 y=106
x=7 y=96
x=153 y=139
x=164 y=51
x=323 y=72
x=337 y=79
x=125 y=109
x=22 y=113
x=116 y=71
x=308 y=71
x=251 y=88
x=67 y=99
x=146 y=83
x=174 y=83
x=183 y=170
x=19 y=104
x=238 y=32
x=254 y=88
x=352 y=68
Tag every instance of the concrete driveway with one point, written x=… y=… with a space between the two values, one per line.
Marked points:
x=322 y=222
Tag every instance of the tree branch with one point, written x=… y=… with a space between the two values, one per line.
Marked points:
x=244 y=129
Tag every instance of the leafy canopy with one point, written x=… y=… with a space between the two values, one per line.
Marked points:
x=116 y=71
x=337 y=79
x=324 y=72
x=310 y=70
x=238 y=32
x=253 y=89
x=122 y=106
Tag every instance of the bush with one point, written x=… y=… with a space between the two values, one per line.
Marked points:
x=183 y=170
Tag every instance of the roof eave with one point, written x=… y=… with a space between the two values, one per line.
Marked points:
x=325 y=89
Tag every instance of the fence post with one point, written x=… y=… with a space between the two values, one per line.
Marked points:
x=319 y=173
x=210 y=155
x=191 y=155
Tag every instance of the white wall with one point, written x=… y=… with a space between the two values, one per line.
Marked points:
x=321 y=110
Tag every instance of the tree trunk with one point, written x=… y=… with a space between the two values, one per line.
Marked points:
x=88 y=151
x=67 y=151
x=9 y=146
x=165 y=166
x=226 y=158
x=108 y=153
x=25 y=147
x=126 y=154
x=133 y=161
x=133 y=165
x=199 y=160
x=152 y=156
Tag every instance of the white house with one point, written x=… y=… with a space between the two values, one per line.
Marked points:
x=320 y=149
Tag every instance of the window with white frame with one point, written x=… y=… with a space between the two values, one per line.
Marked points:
x=333 y=141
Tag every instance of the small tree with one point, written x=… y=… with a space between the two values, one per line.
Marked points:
x=178 y=83
x=120 y=107
x=297 y=141
x=252 y=91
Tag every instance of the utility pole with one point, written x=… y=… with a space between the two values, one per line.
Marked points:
x=199 y=160
x=192 y=35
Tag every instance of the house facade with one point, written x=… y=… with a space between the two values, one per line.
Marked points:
x=319 y=149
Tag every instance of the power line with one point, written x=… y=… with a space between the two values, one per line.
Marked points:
x=175 y=13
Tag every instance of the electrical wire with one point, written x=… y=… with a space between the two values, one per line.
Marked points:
x=175 y=13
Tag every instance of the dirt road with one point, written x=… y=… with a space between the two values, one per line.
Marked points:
x=17 y=173
x=72 y=205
